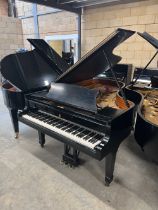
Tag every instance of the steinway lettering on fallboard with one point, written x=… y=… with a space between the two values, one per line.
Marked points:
x=87 y=113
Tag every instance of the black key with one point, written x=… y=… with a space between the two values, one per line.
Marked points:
x=46 y=119
x=75 y=130
x=89 y=136
x=55 y=122
x=85 y=132
x=32 y=114
x=70 y=129
x=78 y=131
x=52 y=121
x=49 y=122
x=81 y=135
x=98 y=136
x=40 y=117
x=40 y=114
x=63 y=125
x=86 y=138
x=60 y=124
x=94 y=140
x=92 y=134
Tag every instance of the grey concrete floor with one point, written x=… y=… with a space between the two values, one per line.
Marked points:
x=32 y=178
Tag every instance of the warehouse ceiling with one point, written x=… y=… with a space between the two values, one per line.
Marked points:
x=76 y=5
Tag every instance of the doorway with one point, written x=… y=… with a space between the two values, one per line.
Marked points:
x=64 y=44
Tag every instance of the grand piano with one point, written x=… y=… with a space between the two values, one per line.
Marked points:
x=146 y=83
x=28 y=72
x=87 y=113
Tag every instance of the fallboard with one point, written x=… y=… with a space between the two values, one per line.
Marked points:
x=96 y=122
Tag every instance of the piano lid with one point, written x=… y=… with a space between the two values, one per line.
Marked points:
x=95 y=62
x=51 y=56
x=152 y=40
x=28 y=71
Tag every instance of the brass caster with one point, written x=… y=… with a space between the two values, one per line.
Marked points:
x=70 y=166
x=62 y=162
x=107 y=184
x=42 y=145
x=66 y=163
x=16 y=135
x=108 y=181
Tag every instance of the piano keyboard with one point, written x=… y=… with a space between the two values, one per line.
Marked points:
x=73 y=131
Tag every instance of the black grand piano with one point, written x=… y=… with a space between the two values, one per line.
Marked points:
x=29 y=72
x=146 y=83
x=88 y=114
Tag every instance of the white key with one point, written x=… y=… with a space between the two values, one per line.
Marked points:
x=62 y=132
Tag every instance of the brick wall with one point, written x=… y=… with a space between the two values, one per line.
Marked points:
x=10 y=35
x=50 y=24
x=28 y=31
x=141 y=16
x=57 y=24
x=23 y=8
x=98 y=23
x=3 y=7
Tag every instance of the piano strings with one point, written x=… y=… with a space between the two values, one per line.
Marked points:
x=149 y=107
x=108 y=93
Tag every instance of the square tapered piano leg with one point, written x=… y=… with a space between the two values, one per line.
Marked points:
x=41 y=138
x=109 y=167
x=14 y=118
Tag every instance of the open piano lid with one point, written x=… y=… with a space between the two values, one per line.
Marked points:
x=152 y=40
x=88 y=67
x=46 y=51
x=28 y=71
x=95 y=62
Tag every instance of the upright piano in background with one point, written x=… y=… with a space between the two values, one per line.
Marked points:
x=88 y=114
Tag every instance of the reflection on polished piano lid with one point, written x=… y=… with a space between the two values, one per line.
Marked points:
x=95 y=61
x=89 y=95
x=31 y=70
x=49 y=54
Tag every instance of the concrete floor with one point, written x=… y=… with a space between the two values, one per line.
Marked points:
x=32 y=178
